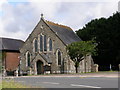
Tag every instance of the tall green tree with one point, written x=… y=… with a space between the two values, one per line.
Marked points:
x=79 y=50
x=106 y=33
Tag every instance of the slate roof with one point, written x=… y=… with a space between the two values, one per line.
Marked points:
x=46 y=58
x=10 y=44
x=65 y=33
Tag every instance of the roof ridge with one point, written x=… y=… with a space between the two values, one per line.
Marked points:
x=11 y=39
x=64 y=26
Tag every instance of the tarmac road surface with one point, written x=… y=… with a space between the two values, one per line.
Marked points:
x=87 y=80
x=69 y=82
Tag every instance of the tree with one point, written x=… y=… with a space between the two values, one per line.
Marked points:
x=106 y=33
x=79 y=50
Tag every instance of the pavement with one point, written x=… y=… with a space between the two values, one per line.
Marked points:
x=98 y=74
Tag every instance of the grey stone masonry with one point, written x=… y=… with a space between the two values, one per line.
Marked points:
x=57 y=60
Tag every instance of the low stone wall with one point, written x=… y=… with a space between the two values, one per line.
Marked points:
x=95 y=68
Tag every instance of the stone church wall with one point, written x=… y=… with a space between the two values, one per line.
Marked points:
x=67 y=67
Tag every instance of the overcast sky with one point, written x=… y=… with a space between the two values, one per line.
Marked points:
x=18 y=18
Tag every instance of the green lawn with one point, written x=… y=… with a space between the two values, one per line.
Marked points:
x=11 y=84
x=0 y=86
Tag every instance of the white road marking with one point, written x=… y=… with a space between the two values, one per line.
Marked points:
x=19 y=81
x=51 y=82
x=84 y=86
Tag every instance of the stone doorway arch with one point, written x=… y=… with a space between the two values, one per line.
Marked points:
x=39 y=66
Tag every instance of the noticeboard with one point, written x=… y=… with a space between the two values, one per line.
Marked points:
x=47 y=68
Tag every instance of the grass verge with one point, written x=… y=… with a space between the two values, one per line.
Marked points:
x=11 y=84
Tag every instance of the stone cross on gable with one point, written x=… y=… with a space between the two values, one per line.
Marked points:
x=41 y=15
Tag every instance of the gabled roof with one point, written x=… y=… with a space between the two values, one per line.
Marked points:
x=10 y=44
x=46 y=58
x=65 y=33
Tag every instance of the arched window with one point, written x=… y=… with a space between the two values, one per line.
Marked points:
x=45 y=43
x=50 y=45
x=59 y=58
x=41 y=43
x=35 y=45
x=28 y=59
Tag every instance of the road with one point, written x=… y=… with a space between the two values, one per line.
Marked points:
x=69 y=82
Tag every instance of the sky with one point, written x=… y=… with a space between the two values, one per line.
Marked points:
x=19 y=17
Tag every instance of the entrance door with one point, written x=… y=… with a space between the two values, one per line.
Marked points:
x=39 y=67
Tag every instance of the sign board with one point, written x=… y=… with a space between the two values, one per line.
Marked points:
x=47 y=68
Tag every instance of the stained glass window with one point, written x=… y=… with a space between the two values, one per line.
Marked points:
x=27 y=59
x=36 y=45
x=45 y=43
x=41 y=43
x=50 y=45
x=59 y=58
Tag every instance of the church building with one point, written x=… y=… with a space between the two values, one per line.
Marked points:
x=44 y=51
